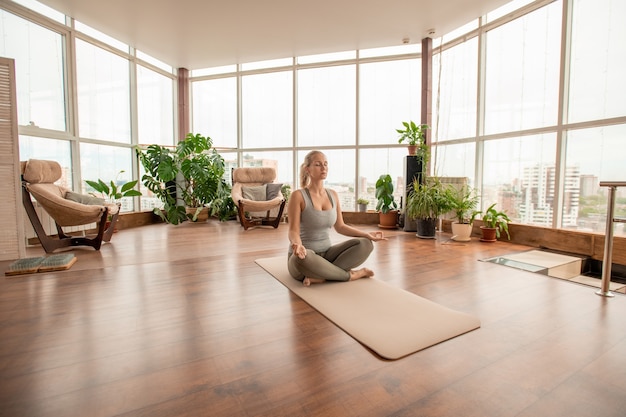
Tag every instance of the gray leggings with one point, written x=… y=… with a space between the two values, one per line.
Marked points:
x=334 y=264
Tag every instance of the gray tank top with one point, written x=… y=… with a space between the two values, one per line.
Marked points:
x=315 y=224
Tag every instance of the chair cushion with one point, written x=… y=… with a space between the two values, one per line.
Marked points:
x=272 y=190
x=84 y=198
x=39 y=171
x=255 y=193
x=259 y=175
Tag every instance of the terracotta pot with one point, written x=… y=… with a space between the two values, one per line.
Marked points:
x=412 y=149
x=388 y=220
x=489 y=234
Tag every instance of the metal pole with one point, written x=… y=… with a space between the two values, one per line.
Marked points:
x=608 y=246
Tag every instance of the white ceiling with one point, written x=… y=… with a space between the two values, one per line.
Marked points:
x=196 y=34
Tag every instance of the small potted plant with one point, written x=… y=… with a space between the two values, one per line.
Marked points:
x=362 y=204
x=415 y=136
x=114 y=191
x=464 y=201
x=494 y=222
x=386 y=205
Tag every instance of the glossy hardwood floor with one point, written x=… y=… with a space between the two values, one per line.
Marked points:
x=180 y=321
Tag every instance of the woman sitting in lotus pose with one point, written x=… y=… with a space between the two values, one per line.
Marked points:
x=313 y=210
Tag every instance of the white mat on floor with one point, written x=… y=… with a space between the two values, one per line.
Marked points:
x=390 y=321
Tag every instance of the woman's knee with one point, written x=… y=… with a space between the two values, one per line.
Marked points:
x=367 y=244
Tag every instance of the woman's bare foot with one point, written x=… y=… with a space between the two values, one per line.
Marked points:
x=308 y=281
x=361 y=273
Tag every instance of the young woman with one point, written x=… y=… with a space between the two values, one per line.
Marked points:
x=313 y=210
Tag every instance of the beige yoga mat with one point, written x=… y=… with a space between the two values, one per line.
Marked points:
x=390 y=321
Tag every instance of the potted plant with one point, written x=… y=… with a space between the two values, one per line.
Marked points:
x=425 y=203
x=362 y=204
x=463 y=201
x=494 y=221
x=114 y=191
x=186 y=178
x=415 y=136
x=386 y=205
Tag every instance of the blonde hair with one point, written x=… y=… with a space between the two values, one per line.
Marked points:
x=308 y=159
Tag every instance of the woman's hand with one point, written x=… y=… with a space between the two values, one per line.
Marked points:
x=299 y=250
x=376 y=236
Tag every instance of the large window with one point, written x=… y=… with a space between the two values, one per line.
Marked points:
x=597 y=83
x=456 y=160
x=389 y=93
x=103 y=82
x=155 y=104
x=455 y=87
x=215 y=110
x=522 y=72
x=595 y=155
x=267 y=110
x=519 y=175
x=327 y=106
x=38 y=54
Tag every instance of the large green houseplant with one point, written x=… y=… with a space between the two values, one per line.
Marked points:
x=425 y=203
x=415 y=137
x=186 y=178
x=386 y=205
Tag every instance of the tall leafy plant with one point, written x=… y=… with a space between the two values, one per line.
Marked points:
x=384 y=194
x=428 y=200
x=189 y=175
x=464 y=201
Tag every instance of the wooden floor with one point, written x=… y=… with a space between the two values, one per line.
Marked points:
x=180 y=321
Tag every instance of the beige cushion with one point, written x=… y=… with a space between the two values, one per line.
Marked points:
x=259 y=175
x=39 y=171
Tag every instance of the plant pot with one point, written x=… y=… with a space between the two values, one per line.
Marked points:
x=426 y=228
x=412 y=149
x=388 y=220
x=461 y=232
x=489 y=234
x=362 y=208
x=202 y=215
